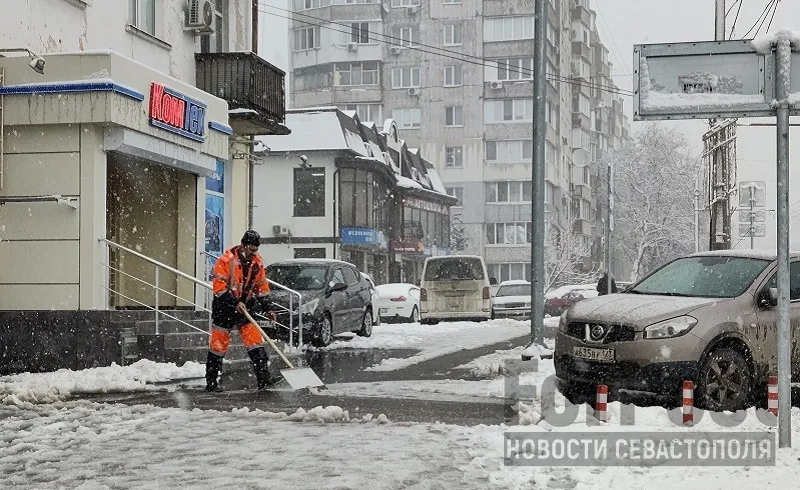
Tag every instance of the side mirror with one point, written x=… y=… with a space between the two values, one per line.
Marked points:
x=768 y=298
x=493 y=281
x=338 y=286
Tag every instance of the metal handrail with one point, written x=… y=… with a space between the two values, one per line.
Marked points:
x=157 y=263
x=292 y=293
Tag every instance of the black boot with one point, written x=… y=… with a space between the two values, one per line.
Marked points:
x=213 y=366
x=260 y=359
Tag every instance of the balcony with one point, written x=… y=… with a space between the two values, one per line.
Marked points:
x=253 y=88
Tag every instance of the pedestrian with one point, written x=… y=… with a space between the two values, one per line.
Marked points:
x=602 y=284
x=239 y=284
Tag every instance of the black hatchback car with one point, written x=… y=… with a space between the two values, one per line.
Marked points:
x=336 y=298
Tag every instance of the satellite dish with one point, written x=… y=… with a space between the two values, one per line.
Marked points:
x=581 y=157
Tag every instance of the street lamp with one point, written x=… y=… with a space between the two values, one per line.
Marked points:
x=36 y=62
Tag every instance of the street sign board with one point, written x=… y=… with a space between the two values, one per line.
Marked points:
x=758 y=229
x=759 y=215
x=759 y=193
x=702 y=80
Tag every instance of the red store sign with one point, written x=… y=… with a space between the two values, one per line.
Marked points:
x=177 y=112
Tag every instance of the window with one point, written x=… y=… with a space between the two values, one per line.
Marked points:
x=515 y=69
x=363 y=73
x=407 y=35
x=451 y=2
x=452 y=35
x=218 y=41
x=306 y=38
x=509 y=151
x=311 y=81
x=350 y=275
x=309 y=253
x=507 y=28
x=143 y=15
x=309 y=192
x=408 y=118
x=457 y=192
x=337 y=277
x=310 y=4
x=510 y=271
x=359 y=32
x=453 y=76
x=517 y=233
x=454 y=156
x=454 y=116
x=505 y=110
x=366 y=112
x=515 y=191
x=404 y=3
x=405 y=77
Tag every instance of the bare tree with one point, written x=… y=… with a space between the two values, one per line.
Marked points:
x=568 y=258
x=653 y=191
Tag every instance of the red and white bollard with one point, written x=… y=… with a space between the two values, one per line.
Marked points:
x=602 y=401
x=772 y=395
x=688 y=403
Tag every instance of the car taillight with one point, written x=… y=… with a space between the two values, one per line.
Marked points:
x=487 y=293
x=399 y=298
x=423 y=294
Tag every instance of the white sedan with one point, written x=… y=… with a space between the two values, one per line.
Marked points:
x=398 y=301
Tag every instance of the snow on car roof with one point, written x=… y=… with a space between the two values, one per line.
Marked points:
x=513 y=282
x=768 y=254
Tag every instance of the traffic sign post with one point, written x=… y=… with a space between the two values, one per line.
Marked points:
x=752 y=195
x=719 y=79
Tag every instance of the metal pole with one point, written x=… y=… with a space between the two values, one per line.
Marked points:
x=719 y=20
x=696 y=216
x=752 y=219
x=538 y=173
x=156 y=305
x=291 y=319
x=782 y=82
x=607 y=237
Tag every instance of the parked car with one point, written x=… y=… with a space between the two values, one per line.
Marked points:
x=454 y=287
x=557 y=301
x=398 y=301
x=709 y=317
x=336 y=298
x=376 y=316
x=512 y=300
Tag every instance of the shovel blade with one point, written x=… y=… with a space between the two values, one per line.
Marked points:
x=299 y=378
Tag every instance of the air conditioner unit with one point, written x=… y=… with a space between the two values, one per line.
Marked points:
x=201 y=16
x=395 y=49
x=279 y=230
x=413 y=91
x=496 y=85
x=412 y=10
x=352 y=46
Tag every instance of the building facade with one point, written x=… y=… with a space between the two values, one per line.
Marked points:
x=357 y=194
x=457 y=77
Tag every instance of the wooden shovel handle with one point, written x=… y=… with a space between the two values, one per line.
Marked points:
x=269 y=340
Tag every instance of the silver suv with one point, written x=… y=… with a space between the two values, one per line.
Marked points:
x=709 y=317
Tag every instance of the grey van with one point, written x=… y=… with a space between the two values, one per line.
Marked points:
x=709 y=317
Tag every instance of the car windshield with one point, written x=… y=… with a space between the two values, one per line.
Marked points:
x=514 y=290
x=298 y=277
x=708 y=276
x=461 y=268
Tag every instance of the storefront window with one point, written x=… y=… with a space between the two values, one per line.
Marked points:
x=309 y=192
x=365 y=201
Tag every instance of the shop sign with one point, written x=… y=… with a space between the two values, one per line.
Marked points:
x=363 y=236
x=177 y=112
x=424 y=205
x=408 y=247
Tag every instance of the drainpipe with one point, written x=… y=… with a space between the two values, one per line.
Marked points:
x=335 y=207
x=250 y=177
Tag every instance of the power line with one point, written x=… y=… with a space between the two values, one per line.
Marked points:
x=763 y=14
x=733 y=5
x=611 y=35
x=460 y=56
x=774 y=9
x=733 y=27
x=774 y=2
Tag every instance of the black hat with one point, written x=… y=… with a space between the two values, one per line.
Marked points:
x=251 y=237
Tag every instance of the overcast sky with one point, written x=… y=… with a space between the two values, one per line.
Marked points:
x=621 y=23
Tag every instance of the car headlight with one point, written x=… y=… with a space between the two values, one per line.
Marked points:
x=673 y=327
x=310 y=307
x=528 y=305
x=562 y=323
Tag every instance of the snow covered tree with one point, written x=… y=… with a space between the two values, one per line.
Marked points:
x=568 y=258
x=458 y=236
x=653 y=192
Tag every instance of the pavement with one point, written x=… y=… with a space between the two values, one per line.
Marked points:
x=339 y=366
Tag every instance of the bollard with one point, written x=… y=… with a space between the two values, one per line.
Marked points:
x=602 y=400
x=772 y=395
x=688 y=403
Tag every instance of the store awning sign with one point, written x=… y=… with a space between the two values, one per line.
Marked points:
x=177 y=112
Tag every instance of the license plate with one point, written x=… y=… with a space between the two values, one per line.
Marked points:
x=384 y=310
x=592 y=354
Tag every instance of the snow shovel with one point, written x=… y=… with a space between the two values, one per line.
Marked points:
x=298 y=378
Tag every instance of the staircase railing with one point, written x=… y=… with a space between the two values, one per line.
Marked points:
x=279 y=307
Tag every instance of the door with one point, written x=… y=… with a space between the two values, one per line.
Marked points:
x=338 y=301
x=356 y=291
x=767 y=322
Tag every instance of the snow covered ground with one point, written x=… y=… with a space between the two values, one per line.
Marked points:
x=434 y=340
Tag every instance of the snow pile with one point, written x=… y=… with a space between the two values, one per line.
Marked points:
x=329 y=414
x=34 y=388
x=763 y=44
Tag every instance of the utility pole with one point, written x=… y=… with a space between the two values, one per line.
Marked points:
x=538 y=174
x=607 y=230
x=696 y=215
x=752 y=218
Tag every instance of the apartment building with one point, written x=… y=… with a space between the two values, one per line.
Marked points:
x=456 y=77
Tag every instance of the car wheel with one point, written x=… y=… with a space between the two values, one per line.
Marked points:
x=324 y=332
x=414 y=318
x=725 y=381
x=366 y=324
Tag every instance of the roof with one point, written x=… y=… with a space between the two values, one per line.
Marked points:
x=310 y=131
